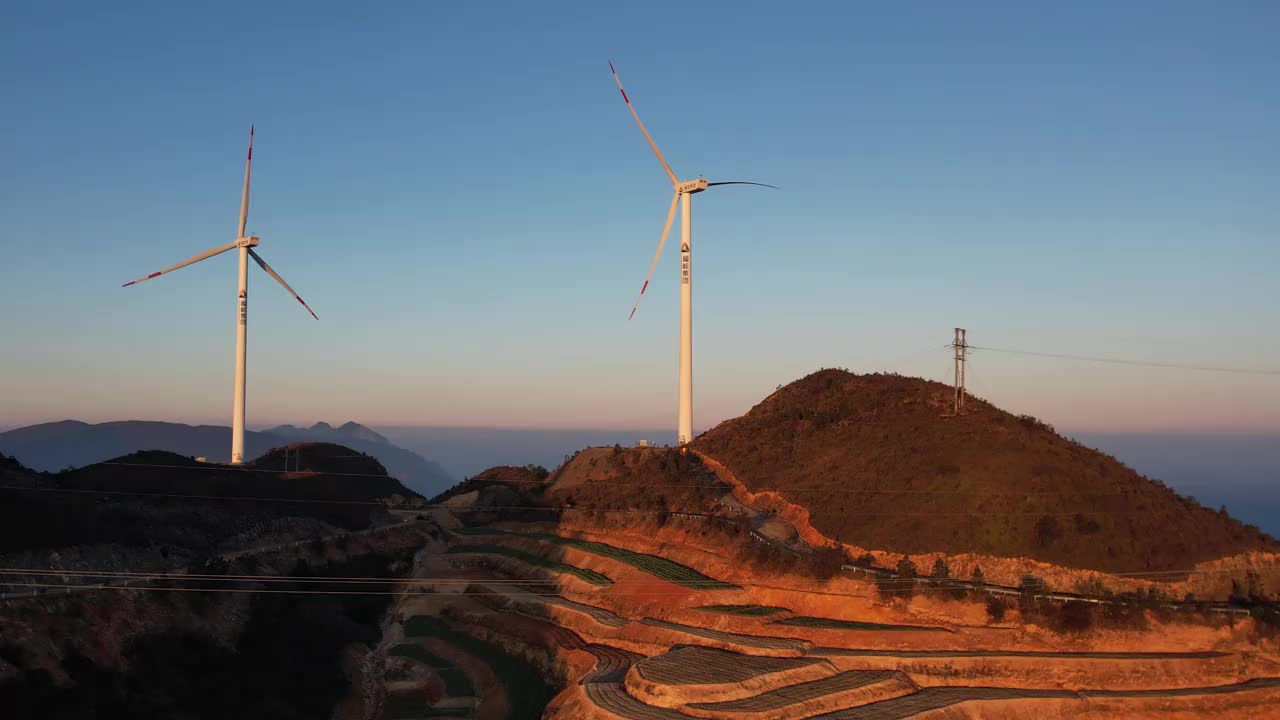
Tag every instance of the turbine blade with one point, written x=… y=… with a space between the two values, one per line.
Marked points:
x=742 y=182
x=652 y=144
x=263 y=264
x=202 y=256
x=666 y=229
x=244 y=197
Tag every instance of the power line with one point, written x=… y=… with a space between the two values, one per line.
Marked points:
x=127 y=575
x=183 y=496
x=587 y=483
x=583 y=508
x=145 y=588
x=1138 y=363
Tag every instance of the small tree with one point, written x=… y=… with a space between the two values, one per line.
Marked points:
x=1047 y=530
x=827 y=562
x=1253 y=584
x=906 y=568
x=978 y=578
x=1075 y=617
x=996 y=608
x=1032 y=585
x=941 y=571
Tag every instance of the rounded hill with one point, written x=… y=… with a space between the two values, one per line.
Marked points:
x=878 y=462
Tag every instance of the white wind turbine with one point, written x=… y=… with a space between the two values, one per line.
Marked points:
x=246 y=244
x=683 y=194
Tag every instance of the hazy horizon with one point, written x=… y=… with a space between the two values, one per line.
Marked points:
x=1240 y=471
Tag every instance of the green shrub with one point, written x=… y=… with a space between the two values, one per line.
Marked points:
x=743 y=610
x=590 y=576
x=817 y=622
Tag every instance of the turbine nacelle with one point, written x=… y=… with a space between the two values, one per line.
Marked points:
x=247 y=242
x=689 y=187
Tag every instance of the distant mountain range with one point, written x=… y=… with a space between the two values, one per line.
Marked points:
x=55 y=446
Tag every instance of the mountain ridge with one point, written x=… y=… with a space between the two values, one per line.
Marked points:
x=64 y=444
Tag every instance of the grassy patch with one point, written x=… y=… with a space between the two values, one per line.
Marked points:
x=456 y=682
x=744 y=610
x=817 y=622
x=652 y=564
x=528 y=695
x=590 y=576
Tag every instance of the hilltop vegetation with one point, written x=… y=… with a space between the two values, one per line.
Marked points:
x=174 y=508
x=877 y=464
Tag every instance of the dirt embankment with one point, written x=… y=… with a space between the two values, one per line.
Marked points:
x=852 y=599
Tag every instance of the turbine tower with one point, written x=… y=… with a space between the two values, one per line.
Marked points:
x=246 y=245
x=683 y=193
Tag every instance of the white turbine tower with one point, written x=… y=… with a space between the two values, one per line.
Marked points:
x=683 y=193
x=245 y=244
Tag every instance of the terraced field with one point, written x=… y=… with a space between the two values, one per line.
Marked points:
x=873 y=652
x=758 y=641
x=613 y=697
x=659 y=567
x=802 y=692
x=863 y=694
x=817 y=622
x=456 y=682
x=933 y=698
x=524 y=686
x=612 y=663
x=411 y=707
x=526 y=595
x=590 y=576
x=697 y=665
x=479 y=531
x=1254 y=684
x=743 y=610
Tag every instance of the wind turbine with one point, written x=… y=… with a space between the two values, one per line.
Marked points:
x=246 y=245
x=683 y=193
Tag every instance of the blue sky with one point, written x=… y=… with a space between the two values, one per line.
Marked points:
x=460 y=194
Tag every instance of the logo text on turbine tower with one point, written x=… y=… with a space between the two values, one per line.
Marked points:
x=684 y=265
x=243 y=308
